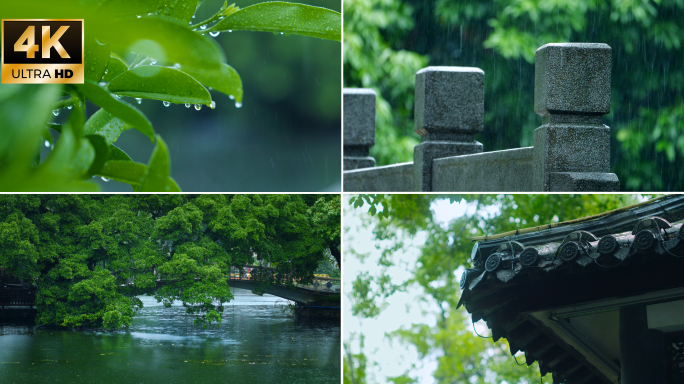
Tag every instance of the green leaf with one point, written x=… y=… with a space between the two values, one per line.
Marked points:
x=180 y=10
x=130 y=7
x=106 y=125
x=96 y=59
x=115 y=153
x=116 y=67
x=278 y=16
x=117 y=108
x=22 y=119
x=131 y=173
x=157 y=177
x=82 y=159
x=160 y=83
x=124 y=171
x=56 y=174
x=167 y=41
x=101 y=148
x=226 y=80
x=77 y=116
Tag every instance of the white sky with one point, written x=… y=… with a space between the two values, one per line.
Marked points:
x=393 y=357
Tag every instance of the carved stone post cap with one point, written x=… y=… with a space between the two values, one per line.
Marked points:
x=572 y=78
x=359 y=116
x=449 y=100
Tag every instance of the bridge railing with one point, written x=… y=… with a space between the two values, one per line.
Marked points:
x=11 y=296
x=571 y=149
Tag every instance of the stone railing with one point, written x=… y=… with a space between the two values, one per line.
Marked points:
x=571 y=148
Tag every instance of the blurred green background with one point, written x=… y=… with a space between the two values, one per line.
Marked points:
x=286 y=136
x=387 y=41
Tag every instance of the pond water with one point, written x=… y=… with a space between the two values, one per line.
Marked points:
x=257 y=343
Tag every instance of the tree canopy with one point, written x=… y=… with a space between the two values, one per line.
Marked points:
x=387 y=41
x=90 y=255
x=462 y=357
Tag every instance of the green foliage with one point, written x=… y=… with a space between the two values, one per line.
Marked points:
x=328 y=267
x=397 y=219
x=139 y=49
x=374 y=58
x=325 y=216
x=90 y=255
x=501 y=37
x=284 y=18
x=355 y=364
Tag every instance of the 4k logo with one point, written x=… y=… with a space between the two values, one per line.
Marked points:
x=42 y=51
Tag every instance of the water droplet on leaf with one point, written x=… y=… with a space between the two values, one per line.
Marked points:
x=212 y=105
x=203 y=27
x=238 y=105
x=55 y=112
x=139 y=100
x=198 y=107
x=69 y=106
x=47 y=143
x=231 y=97
x=104 y=179
x=214 y=34
x=187 y=105
x=166 y=103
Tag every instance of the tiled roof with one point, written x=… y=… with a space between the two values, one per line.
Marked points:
x=514 y=276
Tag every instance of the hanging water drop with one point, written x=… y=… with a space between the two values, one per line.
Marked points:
x=193 y=16
x=104 y=179
x=238 y=105
x=214 y=34
x=203 y=27
x=212 y=105
x=187 y=105
x=166 y=103
x=231 y=97
x=47 y=143
x=102 y=84
x=139 y=100
x=230 y=30
x=282 y=33
x=55 y=112
x=177 y=65
x=198 y=107
x=69 y=106
x=138 y=16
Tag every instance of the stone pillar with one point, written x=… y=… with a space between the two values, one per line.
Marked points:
x=642 y=350
x=571 y=94
x=359 y=127
x=449 y=111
